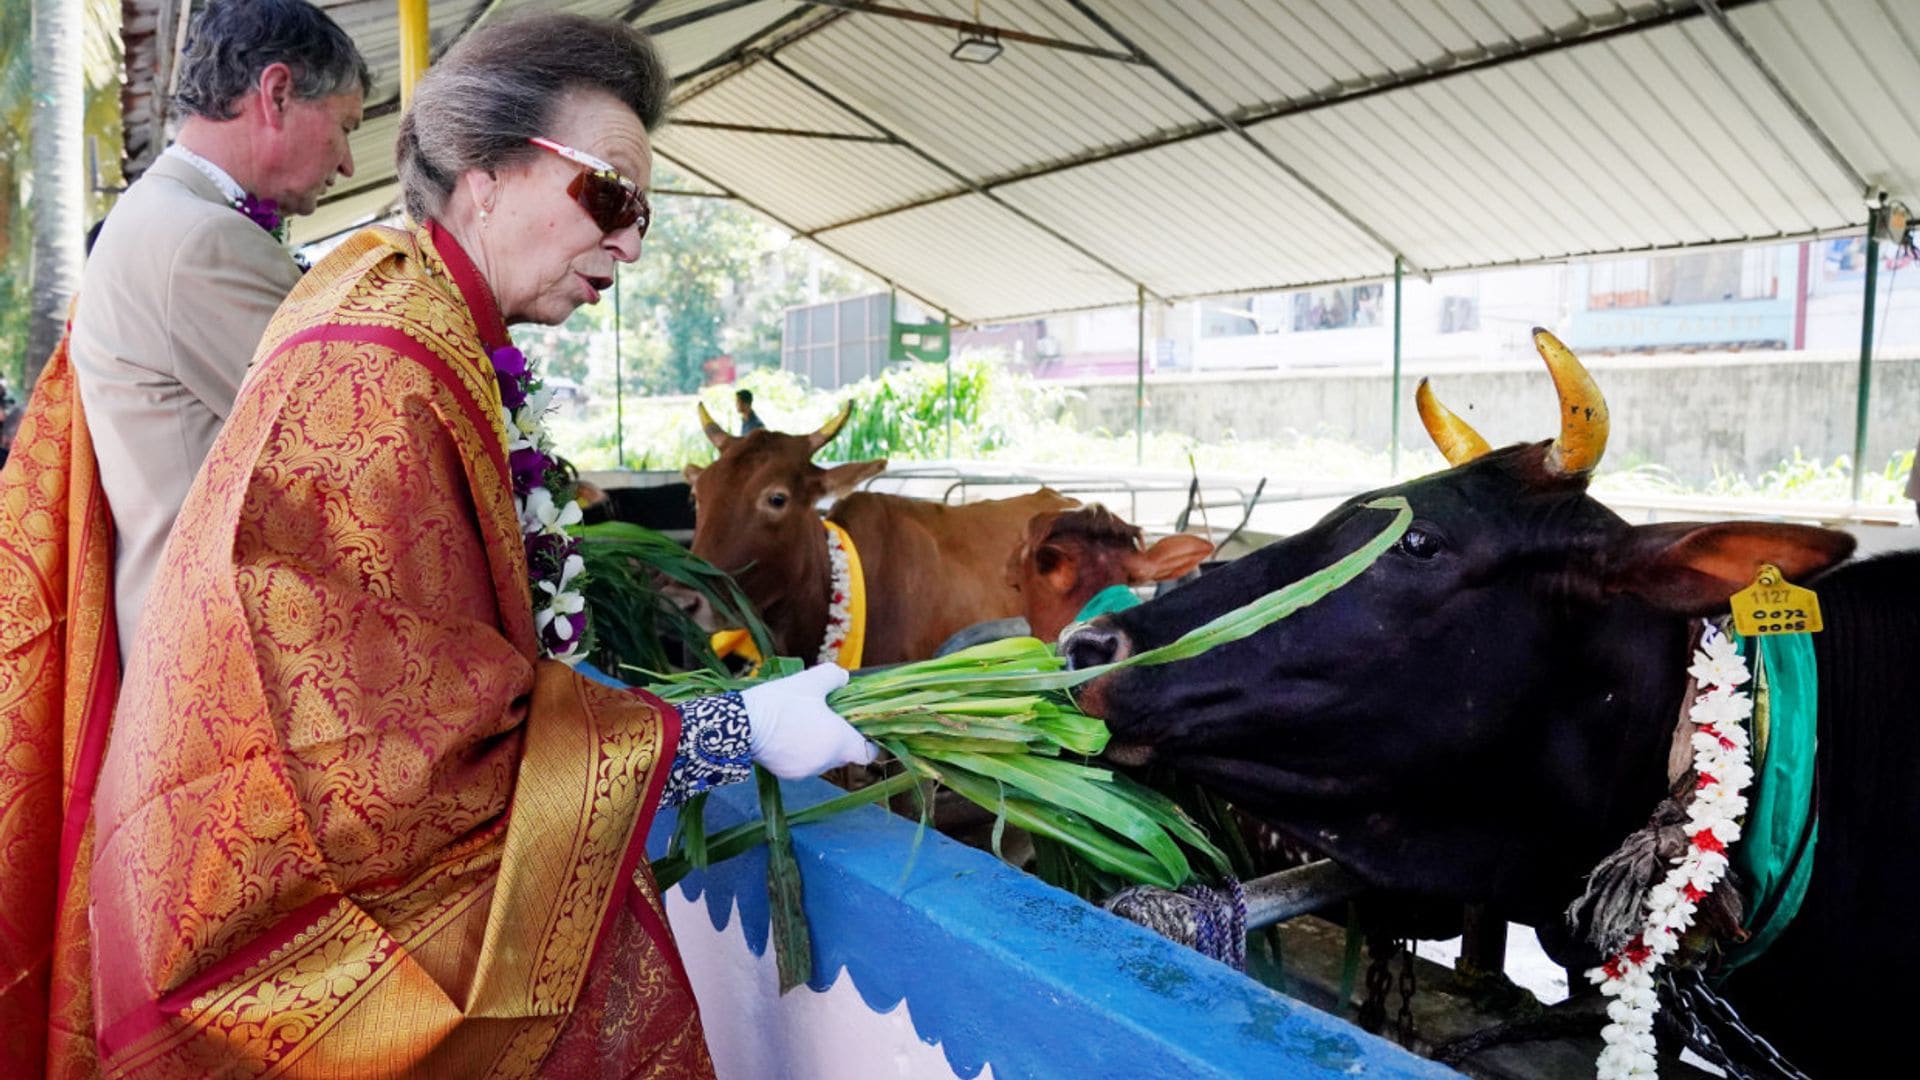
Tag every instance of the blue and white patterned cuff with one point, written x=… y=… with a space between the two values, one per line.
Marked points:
x=714 y=747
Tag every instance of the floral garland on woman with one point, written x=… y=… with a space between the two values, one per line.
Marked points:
x=542 y=498
x=1723 y=772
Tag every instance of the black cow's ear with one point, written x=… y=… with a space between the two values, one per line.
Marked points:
x=844 y=478
x=1692 y=568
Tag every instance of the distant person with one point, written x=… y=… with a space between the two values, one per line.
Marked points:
x=749 y=420
x=191 y=263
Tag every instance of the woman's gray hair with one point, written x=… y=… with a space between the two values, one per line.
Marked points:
x=233 y=41
x=477 y=107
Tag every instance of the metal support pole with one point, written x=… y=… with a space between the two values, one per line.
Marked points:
x=413 y=46
x=619 y=382
x=1393 y=441
x=949 y=361
x=1140 y=385
x=1282 y=896
x=1861 y=394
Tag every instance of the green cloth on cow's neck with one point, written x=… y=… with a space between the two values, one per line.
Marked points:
x=1110 y=599
x=1775 y=854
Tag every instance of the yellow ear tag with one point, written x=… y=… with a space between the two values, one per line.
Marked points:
x=1771 y=605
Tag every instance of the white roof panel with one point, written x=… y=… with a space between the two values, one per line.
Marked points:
x=969 y=254
x=816 y=181
x=1233 y=145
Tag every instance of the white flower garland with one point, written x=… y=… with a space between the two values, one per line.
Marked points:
x=1724 y=771
x=839 y=600
x=556 y=598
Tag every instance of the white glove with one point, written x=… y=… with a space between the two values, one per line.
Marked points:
x=793 y=732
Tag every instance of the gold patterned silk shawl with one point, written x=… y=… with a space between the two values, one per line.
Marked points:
x=349 y=825
x=59 y=670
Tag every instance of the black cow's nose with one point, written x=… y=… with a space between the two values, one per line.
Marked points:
x=1093 y=645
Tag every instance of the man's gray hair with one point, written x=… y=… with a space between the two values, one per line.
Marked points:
x=233 y=41
x=498 y=87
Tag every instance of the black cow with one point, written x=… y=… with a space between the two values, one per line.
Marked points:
x=1487 y=711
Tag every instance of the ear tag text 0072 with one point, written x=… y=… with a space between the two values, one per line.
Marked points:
x=1772 y=605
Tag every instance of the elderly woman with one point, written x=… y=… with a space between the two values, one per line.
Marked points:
x=354 y=821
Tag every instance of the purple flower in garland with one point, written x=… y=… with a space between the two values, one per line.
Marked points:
x=509 y=363
x=510 y=367
x=529 y=468
x=263 y=212
x=563 y=631
x=547 y=552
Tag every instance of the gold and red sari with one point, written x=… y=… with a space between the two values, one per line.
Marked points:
x=59 y=672
x=349 y=824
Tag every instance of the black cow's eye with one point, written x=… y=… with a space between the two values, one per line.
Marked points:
x=777 y=499
x=1420 y=543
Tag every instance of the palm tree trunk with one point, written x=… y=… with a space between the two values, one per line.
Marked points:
x=59 y=190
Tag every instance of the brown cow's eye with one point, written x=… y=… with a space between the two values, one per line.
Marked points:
x=777 y=500
x=1420 y=544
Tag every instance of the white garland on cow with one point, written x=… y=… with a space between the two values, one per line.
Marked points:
x=839 y=600
x=1722 y=765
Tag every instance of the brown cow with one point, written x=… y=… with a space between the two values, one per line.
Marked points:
x=930 y=569
x=1070 y=556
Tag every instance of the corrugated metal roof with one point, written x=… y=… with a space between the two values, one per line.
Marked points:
x=1231 y=145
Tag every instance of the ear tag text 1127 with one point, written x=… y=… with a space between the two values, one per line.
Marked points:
x=1772 y=605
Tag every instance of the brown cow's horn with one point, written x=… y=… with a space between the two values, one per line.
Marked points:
x=1457 y=440
x=831 y=428
x=716 y=434
x=1583 y=412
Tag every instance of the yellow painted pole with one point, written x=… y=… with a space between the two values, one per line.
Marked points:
x=413 y=46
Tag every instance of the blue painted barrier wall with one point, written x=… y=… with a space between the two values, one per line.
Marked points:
x=1001 y=970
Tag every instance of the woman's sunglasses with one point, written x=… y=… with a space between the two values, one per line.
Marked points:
x=611 y=200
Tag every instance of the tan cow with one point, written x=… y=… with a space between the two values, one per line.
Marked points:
x=1070 y=556
x=929 y=569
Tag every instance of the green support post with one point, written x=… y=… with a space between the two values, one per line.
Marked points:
x=1399 y=272
x=949 y=363
x=1861 y=394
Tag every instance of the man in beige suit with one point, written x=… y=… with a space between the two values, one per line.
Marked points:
x=186 y=273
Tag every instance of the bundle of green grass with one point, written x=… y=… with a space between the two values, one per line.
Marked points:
x=997 y=725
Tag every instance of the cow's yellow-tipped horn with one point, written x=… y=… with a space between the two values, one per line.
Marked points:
x=831 y=428
x=1583 y=411
x=716 y=434
x=1457 y=440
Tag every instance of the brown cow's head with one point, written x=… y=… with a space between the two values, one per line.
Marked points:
x=755 y=519
x=1070 y=555
x=1486 y=710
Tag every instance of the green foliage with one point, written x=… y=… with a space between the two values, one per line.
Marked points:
x=899 y=415
x=102 y=63
x=633 y=623
x=1797 y=478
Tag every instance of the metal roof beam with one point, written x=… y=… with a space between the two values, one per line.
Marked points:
x=850 y=109
x=1254 y=115
x=745 y=56
x=1807 y=123
x=1229 y=124
x=1003 y=33
x=721 y=7
x=792 y=133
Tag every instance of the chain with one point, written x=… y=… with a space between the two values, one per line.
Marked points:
x=1373 y=1009
x=1404 y=1021
x=1709 y=1025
